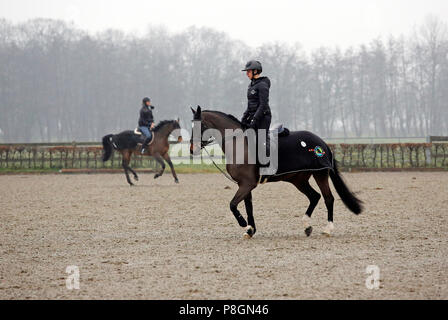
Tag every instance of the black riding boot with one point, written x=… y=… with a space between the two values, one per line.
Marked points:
x=267 y=150
x=265 y=124
x=145 y=144
x=268 y=145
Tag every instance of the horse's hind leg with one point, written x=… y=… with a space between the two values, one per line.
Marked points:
x=133 y=172
x=125 y=164
x=300 y=181
x=321 y=178
x=250 y=217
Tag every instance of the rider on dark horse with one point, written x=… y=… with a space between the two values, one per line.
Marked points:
x=258 y=114
x=146 y=122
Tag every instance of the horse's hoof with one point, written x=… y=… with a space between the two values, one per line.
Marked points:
x=176 y=180
x=308 y=231
x=328 y=229
x=249 y=232
x=156 y=176
x=136 y=178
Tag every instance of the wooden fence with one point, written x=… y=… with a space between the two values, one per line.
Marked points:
x=405 y=155
x=88 y=156
x=82 y=156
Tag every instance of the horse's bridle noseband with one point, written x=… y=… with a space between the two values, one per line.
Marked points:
x=207 y=143
x=203 y=143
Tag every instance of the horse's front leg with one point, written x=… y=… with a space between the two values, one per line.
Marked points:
x=159 y=160
x=243 y=191
x=167 y=158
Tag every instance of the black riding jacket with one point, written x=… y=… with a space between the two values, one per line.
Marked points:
x=258 y=100
x=146 y=117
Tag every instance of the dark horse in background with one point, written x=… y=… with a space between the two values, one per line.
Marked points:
x=247 y=175
x=129 y=142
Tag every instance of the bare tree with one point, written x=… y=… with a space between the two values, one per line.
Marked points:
x=59 y=83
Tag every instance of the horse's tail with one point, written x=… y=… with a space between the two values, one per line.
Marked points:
x=107 y=147
x=349 y=199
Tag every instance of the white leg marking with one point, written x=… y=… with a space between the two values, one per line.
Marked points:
x=306 y=221
x=328 y=229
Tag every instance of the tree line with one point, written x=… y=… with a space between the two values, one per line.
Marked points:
x=61 y=83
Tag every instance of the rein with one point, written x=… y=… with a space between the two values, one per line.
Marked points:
x=222 y=171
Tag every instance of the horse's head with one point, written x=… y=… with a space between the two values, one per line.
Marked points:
x=209 y=126
x=203 y=131
x=196 y=143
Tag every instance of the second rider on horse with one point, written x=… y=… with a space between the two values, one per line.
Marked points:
x=146 y=122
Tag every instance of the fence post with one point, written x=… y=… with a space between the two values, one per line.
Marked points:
x=428 y=151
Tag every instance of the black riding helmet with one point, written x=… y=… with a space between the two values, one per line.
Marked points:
x=145 y=100
x=253 y=65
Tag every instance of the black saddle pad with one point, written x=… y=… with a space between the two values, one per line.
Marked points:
x=303 y=151
x=281 y=131
x=127 y=140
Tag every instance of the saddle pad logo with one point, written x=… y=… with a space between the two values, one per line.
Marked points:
x=318 y=151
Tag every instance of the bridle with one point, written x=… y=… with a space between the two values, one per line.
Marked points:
x=210 y=142
x=206 y=143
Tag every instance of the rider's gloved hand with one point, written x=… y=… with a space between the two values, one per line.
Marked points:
x=253 y=124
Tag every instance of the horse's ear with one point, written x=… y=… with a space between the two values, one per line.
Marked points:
x=198 y=110
x=178 y=120
x=192 y=110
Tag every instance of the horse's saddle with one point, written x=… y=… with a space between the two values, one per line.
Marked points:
x=282 y=131
x=141 y=136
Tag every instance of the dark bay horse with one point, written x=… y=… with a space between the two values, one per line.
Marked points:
x=247 y=175
x=128 y=143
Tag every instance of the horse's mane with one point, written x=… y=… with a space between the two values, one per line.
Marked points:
x=227 y=115
x=161 y=124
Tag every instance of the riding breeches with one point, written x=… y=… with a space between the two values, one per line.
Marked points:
x=146 y=132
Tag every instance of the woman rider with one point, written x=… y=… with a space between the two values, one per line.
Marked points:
x=258 y=114
x=146 y=122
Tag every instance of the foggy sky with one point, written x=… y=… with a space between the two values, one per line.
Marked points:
x=311 y=23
